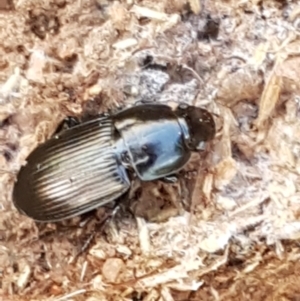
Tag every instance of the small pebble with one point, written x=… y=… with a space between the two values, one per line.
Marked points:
x=112 y=268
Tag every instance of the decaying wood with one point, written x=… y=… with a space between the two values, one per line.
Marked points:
x=238 y=240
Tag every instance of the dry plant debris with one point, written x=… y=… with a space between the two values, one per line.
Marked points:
x=235 y=229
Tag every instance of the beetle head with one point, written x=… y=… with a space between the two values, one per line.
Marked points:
x=197 y=124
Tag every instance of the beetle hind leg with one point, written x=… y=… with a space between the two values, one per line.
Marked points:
x=65 y=124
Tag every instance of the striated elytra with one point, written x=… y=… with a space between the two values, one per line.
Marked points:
x=92 y=163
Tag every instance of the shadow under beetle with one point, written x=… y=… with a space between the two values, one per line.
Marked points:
x=92 y=163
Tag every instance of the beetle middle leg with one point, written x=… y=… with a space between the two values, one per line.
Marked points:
x=171 y=179
x=93 y=226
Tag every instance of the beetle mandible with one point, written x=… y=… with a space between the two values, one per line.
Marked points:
x=90 y=164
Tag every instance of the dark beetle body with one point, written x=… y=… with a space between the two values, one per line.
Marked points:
x=89 y=165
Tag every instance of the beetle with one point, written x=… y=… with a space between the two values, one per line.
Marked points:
x=93 y=163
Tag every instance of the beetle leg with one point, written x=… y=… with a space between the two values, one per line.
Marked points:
x=66 y=123
x=97 y=227
x=170 y=179
x=124 y=201
x=100 y=224
x=119 y=203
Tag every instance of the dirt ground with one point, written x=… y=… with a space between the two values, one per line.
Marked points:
x=229 y=229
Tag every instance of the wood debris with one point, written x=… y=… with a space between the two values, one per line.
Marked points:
x=236 y=234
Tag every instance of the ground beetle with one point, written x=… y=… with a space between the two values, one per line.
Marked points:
x=92 y=163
